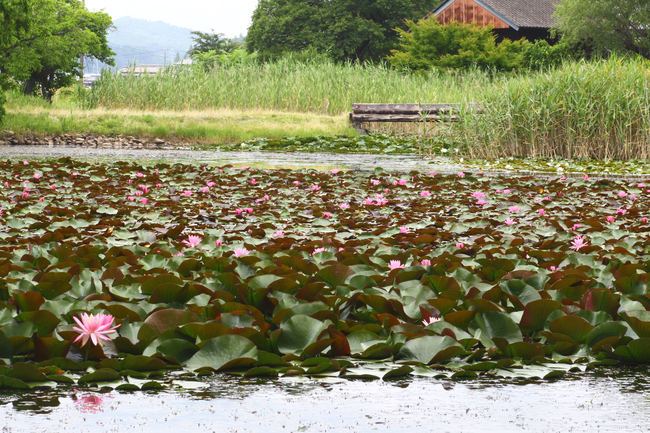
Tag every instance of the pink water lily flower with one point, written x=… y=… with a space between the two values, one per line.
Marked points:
x=395 y=264
x=315 y=188
x=344 y=205
x=95 y=327
x=460 y=245
x=248 y=209
x=506 y=191
x=239 y=252
x=425 y=193
x=375 y=182
x=327 y=215
x=187 y=193
x=335 y=171
x=461 y=175
x=403 y=229
x=622 y=194
x=253 y=181
x=578 y=242
x=205 y=188
x=541 y=211
x=427 y=322
x=37 y=176
x=238 y=211
x=425 y=262
x=218 y=243
x=278 y=234
x=139 y=175
x=514 y=209
x=144 y=201
x=192 y=241
x=509 y=222
x=211 y=184
x=318 y=250
x=610 y=219
x=478 y=194
x=481 y=202
x=432 y=173
x=368 y=201
x=644 y=219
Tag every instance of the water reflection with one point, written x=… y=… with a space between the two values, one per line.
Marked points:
x=89 y=402
x=602 y=401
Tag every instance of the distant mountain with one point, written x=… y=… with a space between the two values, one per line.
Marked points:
x=145 y=43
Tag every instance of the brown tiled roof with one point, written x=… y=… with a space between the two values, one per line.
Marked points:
x=524 y=13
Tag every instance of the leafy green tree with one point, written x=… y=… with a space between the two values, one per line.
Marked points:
x=427 y=44
x=15 y=18
x=606 y=25
x=206 y=42
x=344 y=29
x=47 y=56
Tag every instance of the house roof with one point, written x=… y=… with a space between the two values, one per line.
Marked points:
x=517 y=13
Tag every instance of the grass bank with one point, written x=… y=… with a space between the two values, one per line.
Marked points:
x=28 y=115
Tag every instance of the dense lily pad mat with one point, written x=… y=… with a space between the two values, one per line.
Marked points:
x=267 y=273
x=337 y=143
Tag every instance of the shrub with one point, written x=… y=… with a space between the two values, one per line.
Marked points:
x=428 y=45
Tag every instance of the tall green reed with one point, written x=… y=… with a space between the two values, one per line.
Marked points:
x=287 y=85
x=595 y=109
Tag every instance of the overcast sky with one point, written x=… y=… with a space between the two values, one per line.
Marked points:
x=230 y=17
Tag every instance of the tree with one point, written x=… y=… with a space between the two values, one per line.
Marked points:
x=606 y=25
x=15 y=19
x=428 y=44
x=344 y=29
x=47 y=56
x=205 y=42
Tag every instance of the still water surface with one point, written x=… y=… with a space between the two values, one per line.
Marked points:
x=607 y=401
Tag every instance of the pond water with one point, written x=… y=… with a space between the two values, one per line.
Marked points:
x=603 y=401
x=291 y=160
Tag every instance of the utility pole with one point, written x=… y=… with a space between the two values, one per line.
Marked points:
x=165 y=57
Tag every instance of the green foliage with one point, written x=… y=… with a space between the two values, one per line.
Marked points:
x=15 y=19
x=542 y=55
x=211 y=59
x=427 y=45
x=344 y=29
x=606 y=25
x=216 y=42
x=47 y=56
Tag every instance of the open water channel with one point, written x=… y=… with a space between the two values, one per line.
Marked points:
x=606 y=400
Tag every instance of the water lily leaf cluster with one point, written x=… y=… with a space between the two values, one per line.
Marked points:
x=337 y=143
x=325 y=275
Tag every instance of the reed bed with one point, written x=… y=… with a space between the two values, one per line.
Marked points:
x=595 y=110
x=308 y=87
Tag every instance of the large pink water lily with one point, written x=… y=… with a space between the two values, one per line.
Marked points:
x=578 y=242
x=95 y=327
x=239 y=252
x=192 y=241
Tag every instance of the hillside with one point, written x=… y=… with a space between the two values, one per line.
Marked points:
x=145 y=42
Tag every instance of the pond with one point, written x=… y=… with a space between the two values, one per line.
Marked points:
x=597 y=401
